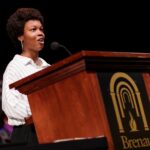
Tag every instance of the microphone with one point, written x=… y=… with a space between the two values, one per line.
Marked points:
x=55 y=46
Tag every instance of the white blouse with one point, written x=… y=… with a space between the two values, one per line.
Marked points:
x=15 y=104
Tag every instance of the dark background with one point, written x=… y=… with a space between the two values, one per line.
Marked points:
x=109 y=26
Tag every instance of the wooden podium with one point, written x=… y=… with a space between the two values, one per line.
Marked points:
x=69 y=99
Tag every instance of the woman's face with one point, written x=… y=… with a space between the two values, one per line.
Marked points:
x=33 y=37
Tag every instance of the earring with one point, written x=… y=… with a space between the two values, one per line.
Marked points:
x=21 y=44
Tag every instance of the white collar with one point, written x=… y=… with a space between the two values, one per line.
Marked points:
x=27 y=60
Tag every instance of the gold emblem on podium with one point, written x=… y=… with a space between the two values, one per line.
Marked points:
x=126 y=99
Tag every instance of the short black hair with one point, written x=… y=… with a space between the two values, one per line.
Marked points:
x=16 y=22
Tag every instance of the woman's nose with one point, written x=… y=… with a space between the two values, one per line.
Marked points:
x=41 y=32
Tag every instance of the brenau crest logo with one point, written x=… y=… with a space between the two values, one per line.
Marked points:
x=124 y=91
x=130 y=107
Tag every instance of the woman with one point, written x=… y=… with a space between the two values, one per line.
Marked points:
x=24 y=27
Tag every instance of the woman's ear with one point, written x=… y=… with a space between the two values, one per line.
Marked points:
x=20 y=38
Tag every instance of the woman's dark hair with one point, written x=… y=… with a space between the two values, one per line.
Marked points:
x=16 y=22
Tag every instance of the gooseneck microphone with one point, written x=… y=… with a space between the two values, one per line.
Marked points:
x=55 y=46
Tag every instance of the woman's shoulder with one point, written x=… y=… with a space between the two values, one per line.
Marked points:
x=13 y=65
x=16 y=61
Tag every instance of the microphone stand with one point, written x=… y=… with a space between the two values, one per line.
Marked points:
x=65 y=49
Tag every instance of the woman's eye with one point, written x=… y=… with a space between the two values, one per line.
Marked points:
x=33 y=29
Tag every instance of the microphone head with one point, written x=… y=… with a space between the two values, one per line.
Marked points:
x=55 y=45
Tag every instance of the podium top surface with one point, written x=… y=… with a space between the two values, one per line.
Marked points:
x=92 y=60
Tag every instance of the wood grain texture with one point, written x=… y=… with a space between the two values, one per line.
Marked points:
x=69 y=109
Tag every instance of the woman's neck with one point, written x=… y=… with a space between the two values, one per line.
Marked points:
x=33 y=56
